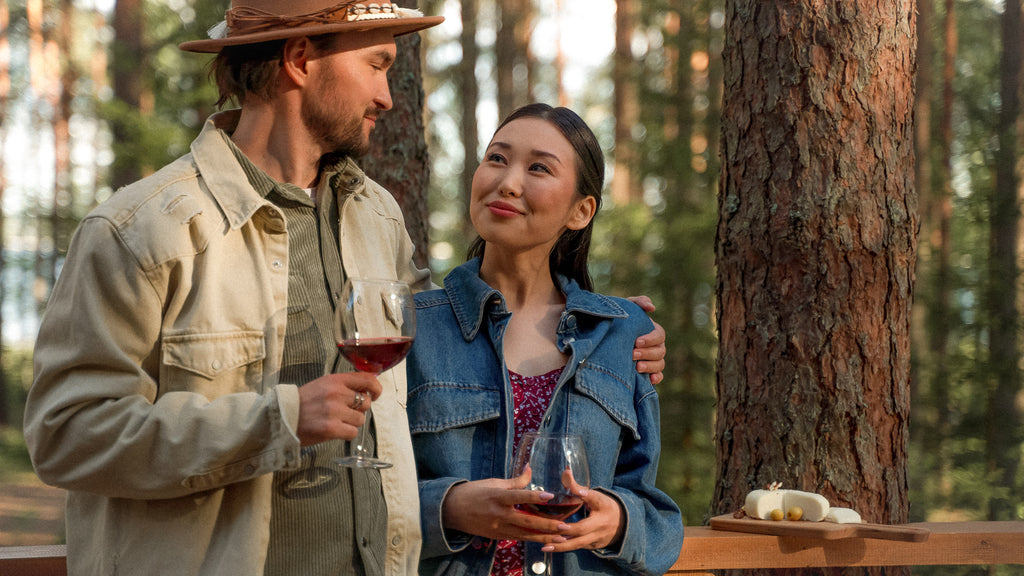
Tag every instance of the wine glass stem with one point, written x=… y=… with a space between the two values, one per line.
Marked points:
x=359 y=449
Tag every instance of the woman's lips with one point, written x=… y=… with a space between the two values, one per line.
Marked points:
x=503 y=209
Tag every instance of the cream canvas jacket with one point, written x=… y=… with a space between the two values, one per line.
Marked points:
x=156 y=402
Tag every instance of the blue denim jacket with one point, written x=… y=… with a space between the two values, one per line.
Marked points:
x=460 y=416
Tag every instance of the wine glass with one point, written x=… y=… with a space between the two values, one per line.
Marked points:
x=558 y=465
x=375 y=323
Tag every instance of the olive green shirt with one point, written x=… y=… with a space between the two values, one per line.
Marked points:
x=316 y=526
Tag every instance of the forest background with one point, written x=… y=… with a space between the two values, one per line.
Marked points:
x=95 y=94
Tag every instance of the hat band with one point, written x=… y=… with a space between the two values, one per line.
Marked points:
x=245 y=20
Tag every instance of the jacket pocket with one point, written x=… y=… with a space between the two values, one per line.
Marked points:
x=440 y=406
x=610 y=392
x=213 y=364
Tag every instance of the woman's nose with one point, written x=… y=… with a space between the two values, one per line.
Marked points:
x=511 y=184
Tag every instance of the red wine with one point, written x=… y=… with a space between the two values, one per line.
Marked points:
x=552 y=511
x=375 y=354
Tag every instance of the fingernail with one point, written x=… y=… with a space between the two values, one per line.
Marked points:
x=563 y=526
x=560 y=539
x=548 y=548
x=584 y=492
x=546 y=495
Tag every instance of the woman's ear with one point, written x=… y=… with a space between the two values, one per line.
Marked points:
x=582 y=213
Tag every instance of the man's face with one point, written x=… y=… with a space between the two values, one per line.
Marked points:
x=349 y=90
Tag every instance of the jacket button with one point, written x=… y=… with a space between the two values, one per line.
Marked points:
x=215 y=365
x=396 y=540
x=364 y=542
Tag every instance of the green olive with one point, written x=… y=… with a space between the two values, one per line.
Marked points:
x=795 y=513
x=777 y=514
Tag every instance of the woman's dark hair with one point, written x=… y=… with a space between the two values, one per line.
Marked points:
x=251 y=69
x=569 y=254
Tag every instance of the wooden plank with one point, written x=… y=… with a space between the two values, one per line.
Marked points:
x=949 y=543
x=823 y=530
x=33 y=560
x=706 y=549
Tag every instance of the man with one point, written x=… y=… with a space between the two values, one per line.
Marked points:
x=188 y=392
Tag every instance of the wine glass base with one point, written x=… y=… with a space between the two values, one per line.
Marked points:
x=363 y=462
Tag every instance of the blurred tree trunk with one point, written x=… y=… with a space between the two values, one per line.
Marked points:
x=815 y=251
x=626 y=107
x=1003 y=433
x=513 y=58
x=128 y=61
x=559 y=63
x=38 y=67
x=470 y=92
x=5 y=93
x=398 y=158
x=942 y=242
x=98 y=61
x=61 y=93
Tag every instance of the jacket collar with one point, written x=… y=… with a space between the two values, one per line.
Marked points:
x=472 y=298
x=228 y=182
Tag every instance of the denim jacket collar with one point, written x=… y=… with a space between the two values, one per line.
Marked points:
x=470 y=297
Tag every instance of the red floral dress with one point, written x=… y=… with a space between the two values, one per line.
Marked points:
x=530 y=396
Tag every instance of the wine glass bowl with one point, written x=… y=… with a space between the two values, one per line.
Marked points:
x=557 y=464
x=375 y=323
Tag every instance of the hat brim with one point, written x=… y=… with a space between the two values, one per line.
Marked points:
x=398 y=26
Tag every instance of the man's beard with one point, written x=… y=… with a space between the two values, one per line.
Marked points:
x=341 y=136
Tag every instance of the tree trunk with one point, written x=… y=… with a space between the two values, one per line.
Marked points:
x=398 y=158
x=559 y=63
x=626 y=107
x=470 y=100
x=65 y=77
x=513 y=57
x=127 y=63
x=505 y=55
x=815 y=252
x=1003 y=421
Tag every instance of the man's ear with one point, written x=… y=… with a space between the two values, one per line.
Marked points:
x=582 y=213
x=295 y=59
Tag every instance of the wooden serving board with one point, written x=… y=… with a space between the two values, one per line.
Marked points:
x=823 y=530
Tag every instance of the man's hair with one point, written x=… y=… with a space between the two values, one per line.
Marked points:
x=250 y=70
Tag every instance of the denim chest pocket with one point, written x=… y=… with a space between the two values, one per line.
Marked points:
x=439 y=406
x=213 y=364
x=611 y=393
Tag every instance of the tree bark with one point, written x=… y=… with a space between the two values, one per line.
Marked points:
x=815 y=250
x=398 y=158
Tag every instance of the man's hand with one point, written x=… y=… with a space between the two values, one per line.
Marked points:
x=334 y=406
x=649 y=349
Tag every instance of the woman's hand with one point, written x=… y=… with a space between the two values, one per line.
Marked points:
x=602 y=528
x=487 y=508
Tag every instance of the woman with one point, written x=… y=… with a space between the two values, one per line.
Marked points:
x=518 y=343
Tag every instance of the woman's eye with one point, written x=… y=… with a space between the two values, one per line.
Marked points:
x=538 y=167
x=495 y=158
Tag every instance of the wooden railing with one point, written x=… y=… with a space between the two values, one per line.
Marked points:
x=704 y=549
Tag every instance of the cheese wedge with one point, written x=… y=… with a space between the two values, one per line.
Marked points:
x=843 y=516
x=760 y=503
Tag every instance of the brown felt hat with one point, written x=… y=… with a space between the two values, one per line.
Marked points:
x=253 y=21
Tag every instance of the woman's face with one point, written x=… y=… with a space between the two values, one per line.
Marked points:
x=524 y=192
